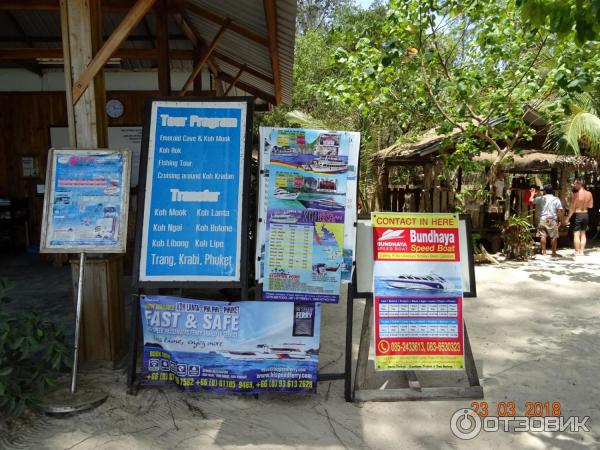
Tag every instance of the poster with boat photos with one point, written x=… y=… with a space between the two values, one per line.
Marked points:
x=307 y=210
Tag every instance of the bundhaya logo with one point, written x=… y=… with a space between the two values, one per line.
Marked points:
x=391 y=234
x=392 y=240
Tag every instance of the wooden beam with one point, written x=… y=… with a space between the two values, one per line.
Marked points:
x=115 y=40
x=233 y=26
x=248 y=69
x=271 y=16
x=99 y=80
x=149 y=36
x=30 y=66
x=57 y=39
x=248 y=88
x=199 y=46
x=20 y=54
x=186 y=29
x=162 y=44
x=54 y=5
x=235 y=80
x=198 y=68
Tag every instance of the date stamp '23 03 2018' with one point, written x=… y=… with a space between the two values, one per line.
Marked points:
x=509 y=416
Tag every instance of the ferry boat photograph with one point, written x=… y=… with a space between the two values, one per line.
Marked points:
x=410 y=278
x=283 y=151
x=283 y=218
x=329 y=164
x=284 y=194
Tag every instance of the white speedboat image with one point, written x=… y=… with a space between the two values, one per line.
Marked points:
x=283 y=194
x=419 y=282
x=264 y=351
x=329 y=164
x=283 y=218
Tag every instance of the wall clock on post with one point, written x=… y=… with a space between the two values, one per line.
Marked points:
x=114 y=108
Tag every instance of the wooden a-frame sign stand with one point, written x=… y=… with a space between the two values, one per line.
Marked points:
x=414 y=391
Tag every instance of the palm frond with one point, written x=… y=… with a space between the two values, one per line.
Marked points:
x=304 y=120
x=583 y=127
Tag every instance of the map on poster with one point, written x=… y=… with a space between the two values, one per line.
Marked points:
x=307 y=198
x=193 y=204
x=86 y=201
x=240 y=347
x=417 y=286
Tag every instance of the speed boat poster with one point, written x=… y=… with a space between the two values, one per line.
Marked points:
x=306 y=214
x=193 y=192
x=86 y=202
x=417 y=290
x=246 y=347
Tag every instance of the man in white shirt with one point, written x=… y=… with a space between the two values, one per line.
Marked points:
x=552 y=214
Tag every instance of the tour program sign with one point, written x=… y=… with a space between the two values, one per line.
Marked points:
x=195 y=179
x=238 y=347
x=417 y=290
x=86 y=201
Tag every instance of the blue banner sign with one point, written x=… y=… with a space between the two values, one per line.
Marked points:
x=193 y=198
x=230 y=347
x=86 y=201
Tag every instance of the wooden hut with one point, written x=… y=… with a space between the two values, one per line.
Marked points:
x=412 y=178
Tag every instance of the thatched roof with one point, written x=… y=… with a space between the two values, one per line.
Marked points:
x=538 y=161
x=429 y=142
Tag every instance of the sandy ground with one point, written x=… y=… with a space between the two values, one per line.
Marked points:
x=534 y=330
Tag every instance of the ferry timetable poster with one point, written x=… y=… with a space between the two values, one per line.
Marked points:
x=238 y=347
x=417 y=291
x=308 y=208
x=86 y=203
x=194 y=185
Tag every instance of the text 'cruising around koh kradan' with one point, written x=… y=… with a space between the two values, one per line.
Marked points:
x=193 y=199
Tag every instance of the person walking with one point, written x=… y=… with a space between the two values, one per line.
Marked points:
x=552 y=214
x=581 y=202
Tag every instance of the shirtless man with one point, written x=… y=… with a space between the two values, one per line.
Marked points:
x=582 y=201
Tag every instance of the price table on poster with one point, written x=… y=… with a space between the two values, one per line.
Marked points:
x=290 y=246
x=421 y=308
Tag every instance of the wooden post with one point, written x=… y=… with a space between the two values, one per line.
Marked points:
x=162 y=42
x=89 y=127
x=82 y=39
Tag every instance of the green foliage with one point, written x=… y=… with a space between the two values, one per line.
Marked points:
x=577 y=18
x=32 y=353
x=582 y=125
x=396 y=70
x=516 y=234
